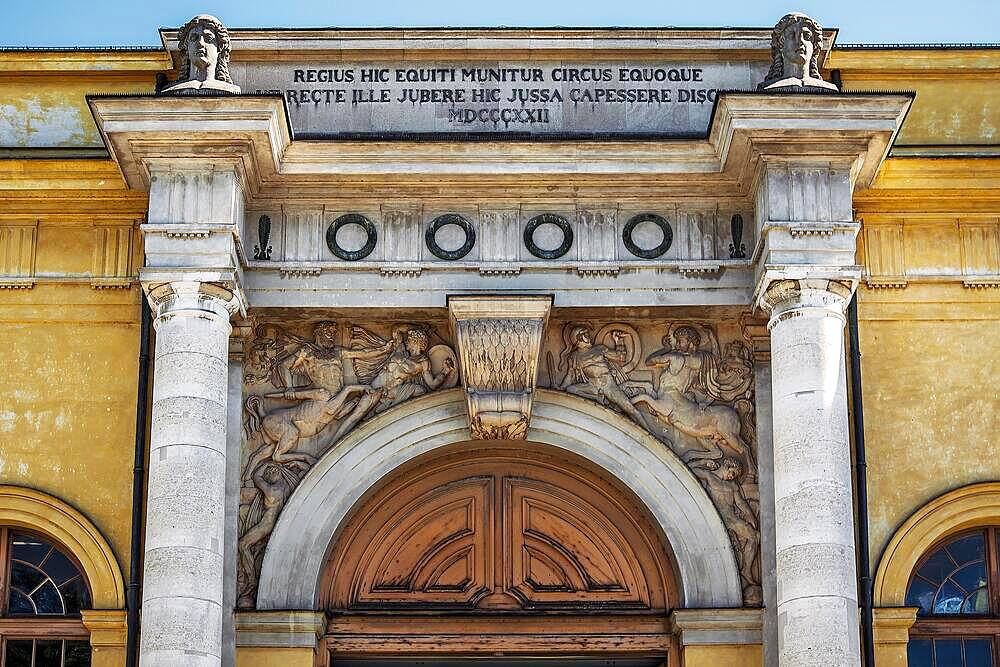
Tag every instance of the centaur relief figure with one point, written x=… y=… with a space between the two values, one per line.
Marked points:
x=405 y=373
x=319 y=403
x=327 y=384
x=690 y=381
x=699 y=404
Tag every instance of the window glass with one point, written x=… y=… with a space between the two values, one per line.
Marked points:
x=953 y=588
x=948 y=652
x=17 y=653
x=43 y=580
x=953 y=579
x=919 y=653
x=978 y=653
x=77 y=654
x=46 y=653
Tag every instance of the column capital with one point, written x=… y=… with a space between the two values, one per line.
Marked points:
x=778 y=282
x=219 y=298
x=792 y=297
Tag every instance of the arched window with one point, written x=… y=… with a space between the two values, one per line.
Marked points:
x=42 y=590
x=956 y=588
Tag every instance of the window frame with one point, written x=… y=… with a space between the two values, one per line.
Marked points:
x=953 y=626
x=40 y=627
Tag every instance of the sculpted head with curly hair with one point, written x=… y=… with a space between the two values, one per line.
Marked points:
x=205 y=47
x=796 y=42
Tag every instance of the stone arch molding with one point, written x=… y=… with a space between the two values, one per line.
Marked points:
x=33 y=510
x=967 y=507
x=293 y=562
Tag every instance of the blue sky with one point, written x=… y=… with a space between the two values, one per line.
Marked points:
x=134 y=22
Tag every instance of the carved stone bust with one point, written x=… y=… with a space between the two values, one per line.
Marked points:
x=204 y=44
x=795 y=45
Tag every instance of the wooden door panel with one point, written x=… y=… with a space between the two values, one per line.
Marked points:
x=435 y=549
x=562 y=551
x=506 y=528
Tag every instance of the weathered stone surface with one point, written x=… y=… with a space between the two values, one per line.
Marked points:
x=183 y=567
x=205 y=46
x=814 y=521
x=632 y=97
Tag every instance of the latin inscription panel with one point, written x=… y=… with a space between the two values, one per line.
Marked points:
x=671 y=99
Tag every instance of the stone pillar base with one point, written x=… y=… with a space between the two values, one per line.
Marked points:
x=892 y=633
x=713 y=637
x=108 y=632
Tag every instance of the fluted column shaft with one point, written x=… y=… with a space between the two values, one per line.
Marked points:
x=185 y=511
x=817 y=596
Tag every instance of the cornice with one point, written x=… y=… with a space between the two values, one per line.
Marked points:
x=253 y=131
x=939 y=173
x=59 y=174
x=102 y=62
x=912 y=64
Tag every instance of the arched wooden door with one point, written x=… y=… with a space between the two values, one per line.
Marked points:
x=499 y=549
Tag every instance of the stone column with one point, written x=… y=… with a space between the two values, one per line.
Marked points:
x=182 y=592
x=817 y=596
x=757 y=336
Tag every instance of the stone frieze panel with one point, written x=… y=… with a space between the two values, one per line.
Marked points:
x=688 y=385
x=498 y=238
x=687 y=382
x=305 y=387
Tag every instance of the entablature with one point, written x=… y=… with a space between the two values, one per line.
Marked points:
x=253 y=132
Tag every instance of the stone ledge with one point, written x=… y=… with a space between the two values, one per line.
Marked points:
x=107 y=627
x=287 y=629
x=892 y=624
x=696 y=627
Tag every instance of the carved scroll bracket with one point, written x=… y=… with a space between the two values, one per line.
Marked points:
x=499 y=339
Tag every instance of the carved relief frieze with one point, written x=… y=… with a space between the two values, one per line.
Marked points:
x=689 y=383
x=305 y=390
x=692 y=393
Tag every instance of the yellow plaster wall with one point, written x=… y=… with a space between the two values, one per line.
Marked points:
x=957 y=102
x=932 y=407
x=250 y=656
x=749 y=655
x=43 y=94
x=68 y=356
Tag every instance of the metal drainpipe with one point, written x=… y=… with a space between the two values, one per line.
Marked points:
x=138 y=491
x=861 y=481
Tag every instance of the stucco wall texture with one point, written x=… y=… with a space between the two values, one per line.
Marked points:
x=68 y=351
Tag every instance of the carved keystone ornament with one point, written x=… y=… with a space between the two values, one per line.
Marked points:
x=499 y=340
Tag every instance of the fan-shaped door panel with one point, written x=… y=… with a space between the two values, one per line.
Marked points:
x=506 y=528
